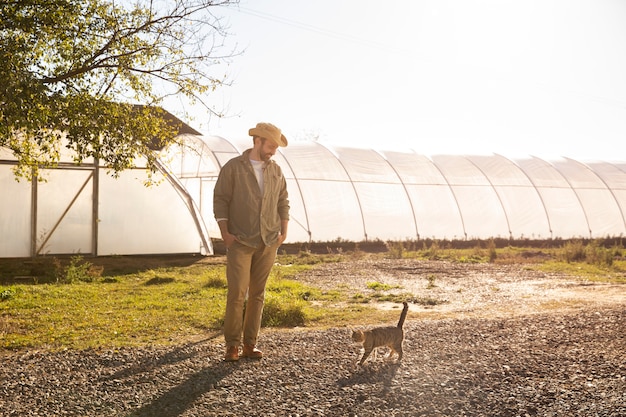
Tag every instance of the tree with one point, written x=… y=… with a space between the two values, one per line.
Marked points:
x=72 y=73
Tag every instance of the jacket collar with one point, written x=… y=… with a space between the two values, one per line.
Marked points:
x=245 y=157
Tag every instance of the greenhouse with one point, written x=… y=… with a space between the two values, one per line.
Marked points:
x=365 y=194
x=84 y=210
x=336 y=193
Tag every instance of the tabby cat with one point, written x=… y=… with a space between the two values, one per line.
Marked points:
x=382 y=336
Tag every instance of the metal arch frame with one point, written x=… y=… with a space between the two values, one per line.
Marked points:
x=456 y=200
x=356 y=194
x=198 y=206
x=577 y=197
x=211 y=178
x=506 y=216
x=606 y=185
x=621 y=170
x=306 y=212
x=210 y=154
x=204 y=150
x=406 y=191
x=191 y=206
x=543 y=203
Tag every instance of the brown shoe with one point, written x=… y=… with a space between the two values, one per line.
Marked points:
x=250 y=351
x=232 y=354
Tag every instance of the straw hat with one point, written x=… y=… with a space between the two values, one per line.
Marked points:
x=269 y=131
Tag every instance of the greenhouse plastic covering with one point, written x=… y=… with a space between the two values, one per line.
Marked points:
x=83 y=210
x=335 y=193
x=365 y=194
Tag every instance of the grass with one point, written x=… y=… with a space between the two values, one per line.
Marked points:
x=134 y=307
x=157 y=305
x=72 y=303
x=591 y=272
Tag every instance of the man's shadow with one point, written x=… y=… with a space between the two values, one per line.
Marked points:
x=150 y=363
x=179 y=398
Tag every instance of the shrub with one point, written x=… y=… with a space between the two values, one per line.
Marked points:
x=574 y=251
x=596 y=254
x=395 y=250
x=78 y=270
x=281 y=312
x=593 y=253
x=432 y=253
x=216 y=282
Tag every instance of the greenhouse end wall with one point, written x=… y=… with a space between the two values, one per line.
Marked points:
x=83 y=210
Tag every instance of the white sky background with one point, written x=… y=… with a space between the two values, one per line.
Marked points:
x=524 y=77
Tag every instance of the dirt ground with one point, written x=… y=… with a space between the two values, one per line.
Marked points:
x=471 y=290
x=501 y=340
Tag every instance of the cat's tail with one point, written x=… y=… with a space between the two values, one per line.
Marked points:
x=405 y=310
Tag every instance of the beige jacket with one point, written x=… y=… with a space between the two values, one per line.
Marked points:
x=253 y=218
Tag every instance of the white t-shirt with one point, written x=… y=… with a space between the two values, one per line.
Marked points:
x=258 y=172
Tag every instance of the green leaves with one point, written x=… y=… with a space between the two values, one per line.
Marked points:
x=72 y=70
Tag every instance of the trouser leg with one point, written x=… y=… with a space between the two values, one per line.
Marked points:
x=238 y=264
x=261 y=266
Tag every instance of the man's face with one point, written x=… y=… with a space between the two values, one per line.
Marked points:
x=267 y=149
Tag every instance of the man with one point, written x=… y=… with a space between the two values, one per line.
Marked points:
x=251 y=206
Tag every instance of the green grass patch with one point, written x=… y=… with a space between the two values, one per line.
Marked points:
x=154 y=306
x=380 y=292
x=133 y=311
x=616 y=273
x=379 y=286
x=308 y=258
x=78 y=303
x=351 y=315
x=283 y=311
x=438 y=251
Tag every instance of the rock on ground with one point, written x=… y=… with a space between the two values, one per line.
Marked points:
x=540 y=365
x=490 y=352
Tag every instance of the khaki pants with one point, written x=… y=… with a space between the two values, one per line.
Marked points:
x=247 y=270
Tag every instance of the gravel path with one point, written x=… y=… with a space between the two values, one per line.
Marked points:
x=558 y=363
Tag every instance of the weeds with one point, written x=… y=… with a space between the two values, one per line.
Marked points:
x=431 y=252
x=216 y=282
x=281 y=312
x=6 y=294
x=379 y=286
x=427 y=301
x=431 y=281
x=147 y=304
x=78 y=270
x=491 y=247
x=592 y=253
x=573 y=251
x=395 y=250
x=308 y=258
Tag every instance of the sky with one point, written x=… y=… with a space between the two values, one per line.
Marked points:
x=527 y=77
